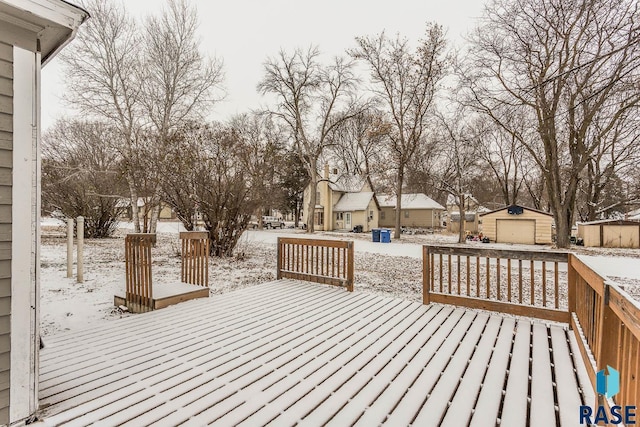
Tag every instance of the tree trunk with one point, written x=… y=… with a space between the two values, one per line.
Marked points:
x=462 y=238
x=312 y=197
x=135 y=217
x=396 y=234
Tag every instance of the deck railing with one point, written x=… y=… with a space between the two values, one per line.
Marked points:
x=315 y=260
x=520 y=282
x=606 y=322
x=195 y=257
x=139 y=281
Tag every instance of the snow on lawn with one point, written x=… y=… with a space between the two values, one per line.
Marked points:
x=392 y=269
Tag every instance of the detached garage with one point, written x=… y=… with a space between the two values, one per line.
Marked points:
x=517 y=224
x=610 y=233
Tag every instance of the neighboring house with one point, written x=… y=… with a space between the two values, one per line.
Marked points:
x=342 y=203
x=610 y=233
x=633 y=215
x=166 y=212
x=418 y=211
x=472 y=213
x=31 y=33
x=517 y=224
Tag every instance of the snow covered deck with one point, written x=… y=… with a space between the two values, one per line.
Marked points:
x=290 y=352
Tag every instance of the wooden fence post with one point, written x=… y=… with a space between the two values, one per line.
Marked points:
x=80 y=262
x=70 y=247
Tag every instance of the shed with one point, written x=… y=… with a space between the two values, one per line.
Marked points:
x=610 y=233
x=418 y=210
x=31 y=33
x=517 y=224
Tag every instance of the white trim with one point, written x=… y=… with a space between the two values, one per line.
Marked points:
x=55 y=11
x=23 y=257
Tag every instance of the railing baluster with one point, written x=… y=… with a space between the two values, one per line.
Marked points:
x=544 y=283
x=488 y=281
x=498 y=279
x=468 y=274
x=478 y=276
x=520 y=281
x=556 y=286
x=533 y=290
x=449 y=272
x=509 y=279
x=459 y=280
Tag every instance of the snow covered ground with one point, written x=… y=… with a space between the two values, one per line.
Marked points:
x=393 y=269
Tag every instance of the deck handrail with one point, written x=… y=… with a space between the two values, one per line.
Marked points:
x=606 y=323
x=316 y=260
x=139 y=280
x=194 y=267
x=486 y=278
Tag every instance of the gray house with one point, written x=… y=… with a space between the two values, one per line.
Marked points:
x=31 y=33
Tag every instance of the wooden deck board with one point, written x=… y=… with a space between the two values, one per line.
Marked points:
x=291 y=353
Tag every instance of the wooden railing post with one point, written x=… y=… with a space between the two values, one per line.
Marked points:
x=426 y=275
x=571 y=285
x=350 y=271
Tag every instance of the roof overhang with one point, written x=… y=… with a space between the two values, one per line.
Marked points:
x=54 y=23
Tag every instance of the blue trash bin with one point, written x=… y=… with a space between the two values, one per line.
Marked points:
x=385 y=236
x=375 y=234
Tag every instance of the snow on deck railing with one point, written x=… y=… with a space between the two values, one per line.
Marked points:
x=606 y=323
x=509 y=281
x=315 y=260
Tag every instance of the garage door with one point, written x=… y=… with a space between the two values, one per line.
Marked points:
x=516 y=231
x=620 y=236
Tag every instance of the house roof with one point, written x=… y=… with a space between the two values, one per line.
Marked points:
x=523 y=207
x=612 y=222
x=350 y=202
x=409 y=201
x=55 y=23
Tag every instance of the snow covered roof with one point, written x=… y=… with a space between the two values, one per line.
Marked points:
x=409 y=201
x=350 y=202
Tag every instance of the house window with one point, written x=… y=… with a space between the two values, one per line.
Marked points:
x=406 y=214
x=371 y=214
x=317 y=197
x=319 y=218
x=339 y=216
x=381 y=214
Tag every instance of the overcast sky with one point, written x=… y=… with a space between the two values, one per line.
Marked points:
x=244 y=32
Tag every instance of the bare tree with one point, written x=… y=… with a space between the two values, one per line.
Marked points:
x=312 y=100
x=147 y=80
x=261 y=157
x=178 y=82
x=208 y=178
x=103 y=74
x=81 y=176
x=406 y=82
x=360 y=144
x=457 y=159
x=566 y=65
